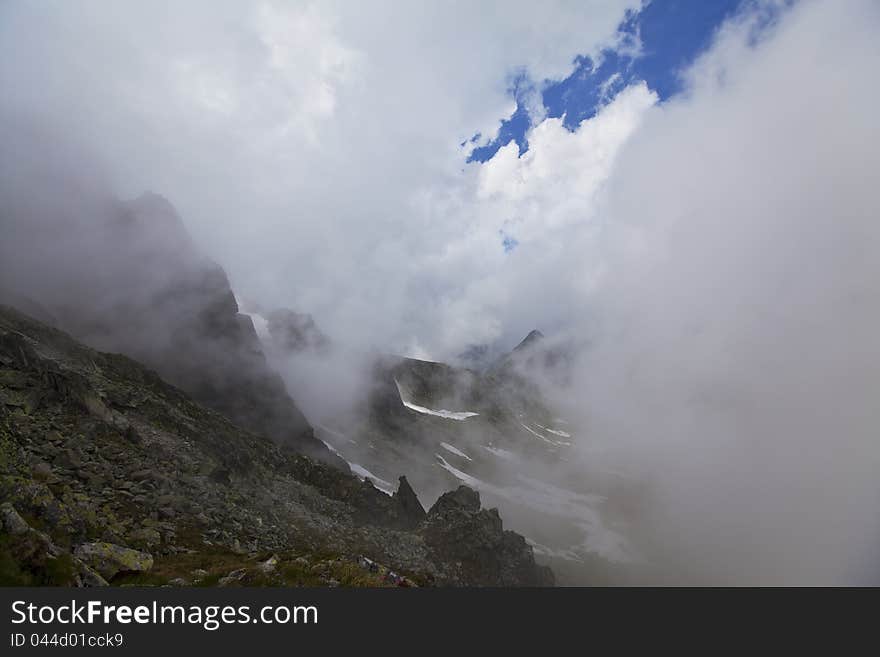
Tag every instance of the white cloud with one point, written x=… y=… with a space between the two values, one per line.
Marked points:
x=734 y=364
x=721 y=252
x=299 y=141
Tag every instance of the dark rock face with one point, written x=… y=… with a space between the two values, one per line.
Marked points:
x=411 y=510
x=126 y=277
x=458 y=530
x=462 y=498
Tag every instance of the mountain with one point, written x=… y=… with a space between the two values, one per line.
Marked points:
x=126 y=277
x=530 y=340
x=536 y=358
x=189 y=446
x=496 y=430
x=110 y=474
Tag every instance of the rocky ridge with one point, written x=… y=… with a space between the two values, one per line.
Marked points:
x=108 y=473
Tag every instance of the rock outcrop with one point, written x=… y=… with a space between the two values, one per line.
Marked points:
x=412 y=513
x=459 y=531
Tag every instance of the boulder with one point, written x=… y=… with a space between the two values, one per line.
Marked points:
x=109 y=559
x=11 y=522
x=269 y=565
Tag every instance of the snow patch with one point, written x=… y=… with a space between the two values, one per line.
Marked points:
x=360 y=471
x=464 y=477
x=261 y=326
x=555 y=432
x=502 y=453
x=549 y=441
x=454 y=450
x=331 y=447
x=449 y=415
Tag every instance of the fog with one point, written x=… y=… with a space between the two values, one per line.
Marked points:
x=715 y=258
x=736 y=363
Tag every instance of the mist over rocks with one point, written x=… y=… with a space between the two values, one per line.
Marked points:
x=195 y=496
x=294 y=332
x=127 y=277
x=459 y=529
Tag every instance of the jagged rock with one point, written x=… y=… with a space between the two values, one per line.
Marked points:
x=412 y=512
x=457 y=530
x=462 y=498
x=156 y=298
x=109 y=559
x=233 y=578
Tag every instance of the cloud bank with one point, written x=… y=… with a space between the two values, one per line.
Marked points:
x=734 y=308
x=299 y=141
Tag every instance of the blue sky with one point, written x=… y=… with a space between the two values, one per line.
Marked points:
x=671 y=34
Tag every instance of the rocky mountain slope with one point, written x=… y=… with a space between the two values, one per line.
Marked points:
x=108 y=473
x=126 y=277
x=496 y=431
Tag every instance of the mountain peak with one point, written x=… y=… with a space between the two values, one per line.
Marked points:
x=534 y=336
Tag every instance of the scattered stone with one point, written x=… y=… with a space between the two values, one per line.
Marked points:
x=269 y=565
x=142 y=475
x=42 y=471
x=232 y=578
x=145 y=537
